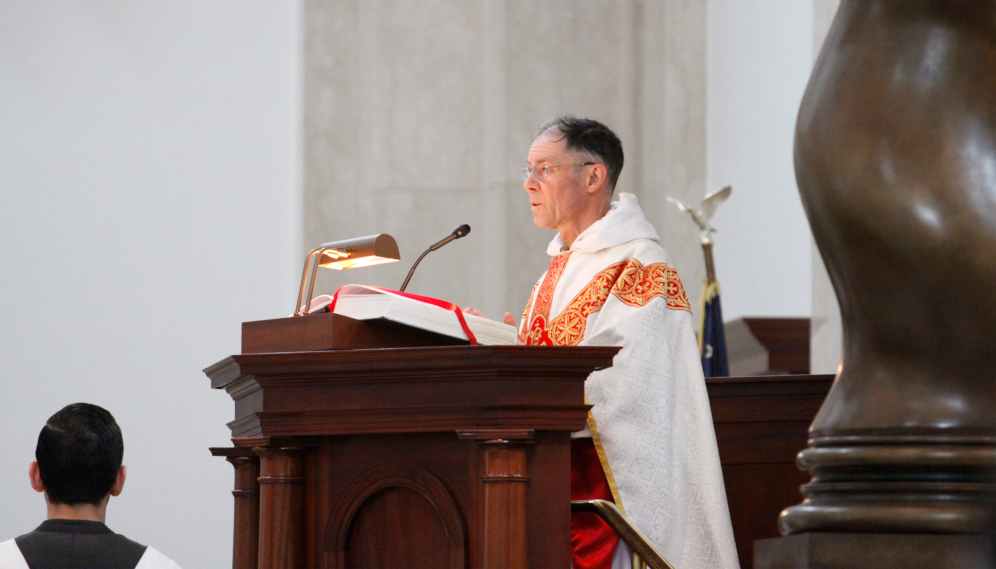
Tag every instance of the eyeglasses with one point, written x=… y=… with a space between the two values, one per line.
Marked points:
x=543 y=172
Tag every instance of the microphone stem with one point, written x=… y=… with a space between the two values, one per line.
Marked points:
x=435 y=246
x=411 y=272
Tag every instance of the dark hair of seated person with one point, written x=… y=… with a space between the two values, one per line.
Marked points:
x=79 y=453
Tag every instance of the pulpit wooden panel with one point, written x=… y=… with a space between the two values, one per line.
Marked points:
x=393 y=514
x=394 y=528
x=446 y=457
x=761 y=423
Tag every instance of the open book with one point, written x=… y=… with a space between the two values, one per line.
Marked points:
x=368 y=303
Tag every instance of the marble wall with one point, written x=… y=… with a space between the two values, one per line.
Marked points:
x=418 y=115
x=826 y=332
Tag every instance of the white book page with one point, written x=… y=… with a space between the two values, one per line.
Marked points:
x=366 y=303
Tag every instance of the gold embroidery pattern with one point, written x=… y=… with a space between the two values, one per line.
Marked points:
x=631 y=282
x=541 y=312
x=545 y=297
x=638 y=285
x=568 y=328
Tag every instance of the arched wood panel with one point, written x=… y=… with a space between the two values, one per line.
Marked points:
x=395 y=515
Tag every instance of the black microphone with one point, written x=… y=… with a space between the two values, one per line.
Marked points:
x=457 y=233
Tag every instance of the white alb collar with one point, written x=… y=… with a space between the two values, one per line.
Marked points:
x=623 y=223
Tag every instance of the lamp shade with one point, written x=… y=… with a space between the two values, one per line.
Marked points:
x=346 y=254
x=359 y=252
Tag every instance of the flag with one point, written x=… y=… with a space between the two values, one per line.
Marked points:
x=712 y=341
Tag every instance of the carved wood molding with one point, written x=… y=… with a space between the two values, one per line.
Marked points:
x=505 y=477
x=245 y=538
x=411 y=364
x=497 y=435
x=293 y=424
x=281 y=506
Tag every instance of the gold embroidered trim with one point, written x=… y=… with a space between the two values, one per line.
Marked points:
x=603 y=459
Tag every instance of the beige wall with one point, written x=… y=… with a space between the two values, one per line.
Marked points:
x=826 y=329
x=419 y=114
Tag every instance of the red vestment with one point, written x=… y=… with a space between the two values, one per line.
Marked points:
x=593 y=542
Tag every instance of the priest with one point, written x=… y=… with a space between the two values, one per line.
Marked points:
x=649 y=445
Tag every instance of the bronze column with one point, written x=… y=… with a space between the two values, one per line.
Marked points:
x=895 y=155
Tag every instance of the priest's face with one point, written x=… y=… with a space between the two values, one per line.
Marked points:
x=559 y=198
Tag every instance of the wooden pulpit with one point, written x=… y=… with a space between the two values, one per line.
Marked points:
x=449 y=457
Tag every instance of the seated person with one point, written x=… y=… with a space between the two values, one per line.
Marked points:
x=78 y=467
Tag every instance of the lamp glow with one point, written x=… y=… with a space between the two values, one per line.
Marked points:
x=343 y=264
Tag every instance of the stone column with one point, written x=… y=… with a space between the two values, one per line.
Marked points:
x=281 y=507
x=418 y=117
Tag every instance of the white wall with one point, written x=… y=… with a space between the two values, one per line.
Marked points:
x=826 y=329
x=149 y=180
x=760 y=57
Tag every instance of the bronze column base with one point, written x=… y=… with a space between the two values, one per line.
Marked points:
x=874 y=551
x=896 y=488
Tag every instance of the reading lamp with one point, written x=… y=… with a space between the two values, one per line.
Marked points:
x=341 y=255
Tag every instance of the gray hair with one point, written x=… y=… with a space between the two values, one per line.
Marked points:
x=591 y=139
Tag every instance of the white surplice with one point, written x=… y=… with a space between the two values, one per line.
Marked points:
x=652 y=423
